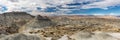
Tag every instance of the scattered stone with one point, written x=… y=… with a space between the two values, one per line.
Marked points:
x=22 y=37
x=13 y=25
x=92 y=36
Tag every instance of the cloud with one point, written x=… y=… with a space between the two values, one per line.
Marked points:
x=17 y=5
x=58 y=6
x=104 y=4
x=106 y=14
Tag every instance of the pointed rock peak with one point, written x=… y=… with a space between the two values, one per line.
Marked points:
x=39 y=17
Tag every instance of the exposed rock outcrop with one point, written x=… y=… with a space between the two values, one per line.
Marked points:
x=23 y=26
x=11 y=21
x=22 y=37
x=37 y=23
x=92 y=36
x=6 y=19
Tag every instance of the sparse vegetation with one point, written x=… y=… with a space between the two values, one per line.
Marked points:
x=55 y=27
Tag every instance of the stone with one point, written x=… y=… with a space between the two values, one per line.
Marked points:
x=21 y=36
x=92 y=36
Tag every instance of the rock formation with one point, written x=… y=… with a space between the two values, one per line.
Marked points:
x=22 y=37
x=11 y=21
x=23 y=26
x=92 y=36
x=37 y=23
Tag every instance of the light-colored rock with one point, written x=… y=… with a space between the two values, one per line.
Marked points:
x=22 y=37
x=37 y=23
x=65 y=37
x=92 y=36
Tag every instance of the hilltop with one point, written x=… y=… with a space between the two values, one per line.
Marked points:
x=28 y=27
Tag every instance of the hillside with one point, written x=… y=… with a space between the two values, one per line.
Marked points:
x=23 y=26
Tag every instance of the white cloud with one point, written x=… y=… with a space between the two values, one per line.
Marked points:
x=106 y=14
x=102 y=4
x=30 y=5
x=98 y=14
x=12 y=4
x=81 y=1
x=15 y=5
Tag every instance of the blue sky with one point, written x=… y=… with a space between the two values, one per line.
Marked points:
x=114 y=10
x=58 y=7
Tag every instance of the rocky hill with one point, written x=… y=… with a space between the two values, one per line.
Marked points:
x=23 y=26
x=6 y=19
x=37 y=23
x=11 y=21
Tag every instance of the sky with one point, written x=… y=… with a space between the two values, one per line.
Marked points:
x=62 y=7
